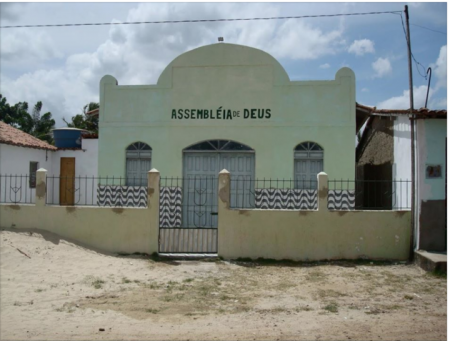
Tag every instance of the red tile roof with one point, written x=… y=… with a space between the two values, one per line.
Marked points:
x=94 y=112
x=16 y=137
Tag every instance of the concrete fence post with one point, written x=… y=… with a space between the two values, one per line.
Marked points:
x=224 y=190
x=153 y=191
x=223 y=203
x=322 y=190
x=41 y=187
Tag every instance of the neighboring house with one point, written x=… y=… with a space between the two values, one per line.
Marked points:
x=21 y=155
x=374 y=162
x=386 y=141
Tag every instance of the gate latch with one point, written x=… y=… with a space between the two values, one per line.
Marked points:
x=214 y=213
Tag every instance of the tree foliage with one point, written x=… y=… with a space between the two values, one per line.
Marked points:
x=35 y=124
x=84 y=121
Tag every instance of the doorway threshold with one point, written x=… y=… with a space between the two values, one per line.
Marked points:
x=195 y=256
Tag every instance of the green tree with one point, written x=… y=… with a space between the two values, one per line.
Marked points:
x=17 y=115
x=84 y=121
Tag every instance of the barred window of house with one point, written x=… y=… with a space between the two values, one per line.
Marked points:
x=33 y=169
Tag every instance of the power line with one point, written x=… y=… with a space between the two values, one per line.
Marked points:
x=430 y=29
x=205 y=20
x=412 y=55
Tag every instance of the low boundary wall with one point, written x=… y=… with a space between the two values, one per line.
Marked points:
x=274 y=234
x=310 y=235
x=109 y=229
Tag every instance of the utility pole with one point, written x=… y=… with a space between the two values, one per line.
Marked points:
x=413 y=154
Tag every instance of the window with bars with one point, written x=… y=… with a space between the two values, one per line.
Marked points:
x=308 y=162
x=33 y=169
x=138 y=163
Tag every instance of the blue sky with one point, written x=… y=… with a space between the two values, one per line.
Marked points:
x=63 y=66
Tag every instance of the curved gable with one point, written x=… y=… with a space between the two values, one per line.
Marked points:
x=221 y=54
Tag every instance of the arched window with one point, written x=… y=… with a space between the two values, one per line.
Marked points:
x=308 y=162
x=138 y=163
x=219 y=145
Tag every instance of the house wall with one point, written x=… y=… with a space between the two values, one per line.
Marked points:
x=86 y=163
x=235 y=78
x=431 y=150
x=86 y=170
x=402 y=161
x=15 y=160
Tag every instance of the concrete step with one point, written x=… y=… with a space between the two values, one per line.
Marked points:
x=431 y=261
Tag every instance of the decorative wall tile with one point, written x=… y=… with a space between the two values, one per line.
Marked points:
x=287 y=199
x=341 y=200
x=170 y=207
x=125 y=196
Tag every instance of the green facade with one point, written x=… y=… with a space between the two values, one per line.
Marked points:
x=259 y=106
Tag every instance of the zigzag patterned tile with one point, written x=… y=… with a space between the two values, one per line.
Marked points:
x=170 y=207
x=286 y=199
x=341 y=200
x=124 y=196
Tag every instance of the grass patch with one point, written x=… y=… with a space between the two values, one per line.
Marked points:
x=316 y=276
x=303 y=308
x=391 y=307
x=408 y=297
x=153 y=286
x=437 y=274
x=331 y=307
x=98 y=283
x=188 y=280
x=125 y=280
x=39 y=290
x=329 y=293
x=152 y=311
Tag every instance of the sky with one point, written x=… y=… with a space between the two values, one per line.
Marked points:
x=62 y=66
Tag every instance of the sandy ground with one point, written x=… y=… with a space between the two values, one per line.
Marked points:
x=67 y=292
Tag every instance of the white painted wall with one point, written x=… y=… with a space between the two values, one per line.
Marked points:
x=431 y=135
x=15 y=160
x=86 y=167
x=402 y=162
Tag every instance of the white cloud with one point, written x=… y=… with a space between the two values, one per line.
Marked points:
x=361 y=47
x=420 y=93
x=364 y=90
x=438 y=103
x=440 y=68
x=382 y=67
x=137 y=54
x=298 y=40
x=324 y=66
x=402 y=102
x=27 y=45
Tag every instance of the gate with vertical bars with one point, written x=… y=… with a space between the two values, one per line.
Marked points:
x=188 y=215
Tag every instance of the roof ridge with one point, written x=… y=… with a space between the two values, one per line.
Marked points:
x=16 y=137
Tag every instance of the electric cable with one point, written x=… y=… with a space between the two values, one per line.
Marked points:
x=412 y=55
x=204 y=20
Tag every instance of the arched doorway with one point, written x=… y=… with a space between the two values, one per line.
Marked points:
x=202 y=163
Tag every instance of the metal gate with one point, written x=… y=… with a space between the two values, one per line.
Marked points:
x=194 y=230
